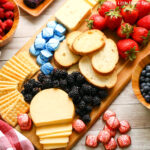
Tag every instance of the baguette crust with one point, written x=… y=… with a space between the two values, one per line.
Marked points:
x=88 y=42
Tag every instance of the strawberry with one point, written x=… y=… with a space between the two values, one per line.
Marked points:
x=105 y=6
x=141 y=35
x=113 y=19
x=2 y=25
x=143 y=7
x=127 y=49
x=123 y=2
x=125 y=30
x=9 y=14
x=129 y=13
x=3 y=1
x=2 y=14
x=8 y=6
x=96 y=22
x=1 y=30
x=9 y=24
x=144 y=22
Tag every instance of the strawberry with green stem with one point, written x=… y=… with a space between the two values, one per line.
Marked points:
x=125 y=30
x=127 y=49
x=144 y=22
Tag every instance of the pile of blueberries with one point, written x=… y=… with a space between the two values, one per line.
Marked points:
x=85 y=96
x=145 y=83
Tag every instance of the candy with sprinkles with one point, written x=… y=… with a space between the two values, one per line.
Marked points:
x=60 y=30
x=40 y=61
x=33 y=51
x=46 y=55
x=52 y=44
x=39 y=44
x=47 y=68
x=47 y=33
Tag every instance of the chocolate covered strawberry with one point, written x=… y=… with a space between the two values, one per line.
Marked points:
x=141 y=35
x=96 y=22
x=127 y=49
x=105 y=6
x=125 y=30
x=144 y=22
x=129 y=13
x=113 y=19
x=143 y=7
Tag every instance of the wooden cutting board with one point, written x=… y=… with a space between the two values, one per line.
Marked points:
x=124 y=69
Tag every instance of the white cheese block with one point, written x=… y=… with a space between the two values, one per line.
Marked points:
x=48 y=130
x=54 y=146
x=63 y=134
x=60 y=140
x=51 y=106
x=72 y=13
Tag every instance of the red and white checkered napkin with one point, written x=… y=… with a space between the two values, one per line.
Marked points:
x=11 y=139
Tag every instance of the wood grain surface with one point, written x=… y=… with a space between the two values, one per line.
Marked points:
x=126 y=105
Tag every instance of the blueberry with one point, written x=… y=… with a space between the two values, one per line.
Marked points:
x=148 y=84
x=143 y=84
x=148 y=68
x=144 y=94
x=142 y=90
x=148 y=74
x=147 y=98
x=143 y=73
x=149 y=93
x=147 y=79
x=142 y=79
x=146 y=88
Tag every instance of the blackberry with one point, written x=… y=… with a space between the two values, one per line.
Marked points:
x=96 y=101
x=55 y=83
x=87 y=99
x=75 y=74
x=103 y=93
x=66 y=90
x=80 y=79
x=94 y=91
x=32 y=81
x=63 y=83
x=76 y=100
x=37 y=84
x=56 y=74
x=23 y=92
x=47 y=83
x=41 y=77
x=63 y=74
x=82 y=105
x=87 y=88
x=88 y=109
x=35 y=91
x=74 y=93
x=28 y=97
x=79 y=112
x=70 y=80
x=28 y=87
x=86 y=118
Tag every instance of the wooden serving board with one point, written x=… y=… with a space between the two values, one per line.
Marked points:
x=36 y=11
x=124 y=69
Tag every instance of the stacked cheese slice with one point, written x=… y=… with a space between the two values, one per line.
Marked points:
x=52 y=112
x=12 y=76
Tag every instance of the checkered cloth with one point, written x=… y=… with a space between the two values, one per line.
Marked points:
x=11 y=139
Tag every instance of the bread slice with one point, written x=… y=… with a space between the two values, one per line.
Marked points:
x=64 y=57
x=102 y=81
x=88 y=42
x=74 y=68
x=105 y=60
x=71 y=37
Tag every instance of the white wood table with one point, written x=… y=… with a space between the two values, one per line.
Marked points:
x=126 y=105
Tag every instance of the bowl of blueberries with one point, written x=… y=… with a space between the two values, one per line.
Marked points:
x=141 y=81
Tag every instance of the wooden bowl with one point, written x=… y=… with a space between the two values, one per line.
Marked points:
x=135 y=80
x=6 y=38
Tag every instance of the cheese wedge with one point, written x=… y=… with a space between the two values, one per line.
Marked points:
x=61 y=140
x=48 y=130
x=51 y=106
x=54 y=146
x=63 y=134
x=73 y=13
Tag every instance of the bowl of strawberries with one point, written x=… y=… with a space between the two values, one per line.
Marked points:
x=9 y=18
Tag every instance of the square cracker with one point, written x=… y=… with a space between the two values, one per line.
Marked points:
x=4 y=91
x=14 y=92
x=8 y=83
x=20 y=106
x=4 y=77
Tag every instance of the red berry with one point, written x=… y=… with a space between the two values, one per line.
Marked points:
x=2 y=14
x=124 y=141
x=123 y=2
x=111 y=145
x=112 y=131
x=1 y=30
x=9 y=24
x=113 y=122
x=108 y=114
x=144 y=22
x=124 y=126
x=0 y=37
x=8 y=6
x=2 y=25
x=78 y=125
x=91 y=141
x=104 y=136
x=9 y=15
x=3 y=1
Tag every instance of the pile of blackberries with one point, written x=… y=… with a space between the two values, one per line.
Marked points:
x=145 y=83
x=85 y=96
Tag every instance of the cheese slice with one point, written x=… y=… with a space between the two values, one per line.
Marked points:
x=54 y=146
x=73 y=13
x=51 y=106
x=60 y=140
x=48 y=130
x=63 y=134
x=92 y=2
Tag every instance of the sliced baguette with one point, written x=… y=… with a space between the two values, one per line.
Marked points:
x=102 y=81
x=88 y=42
x=74 y=68
x=105 y=60
x=71 y=37
x=64 y=57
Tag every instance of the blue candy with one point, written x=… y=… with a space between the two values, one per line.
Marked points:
x=40 y=61
x=47 y=33
x=33 y=51
x=52 y=44
x=47 y=68
x=51 y=24
x=39 y=35
x=46 y=55
x=39 y=44
x=60 y=30
x=60 y=38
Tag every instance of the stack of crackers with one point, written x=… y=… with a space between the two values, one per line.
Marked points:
x=12 y=76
